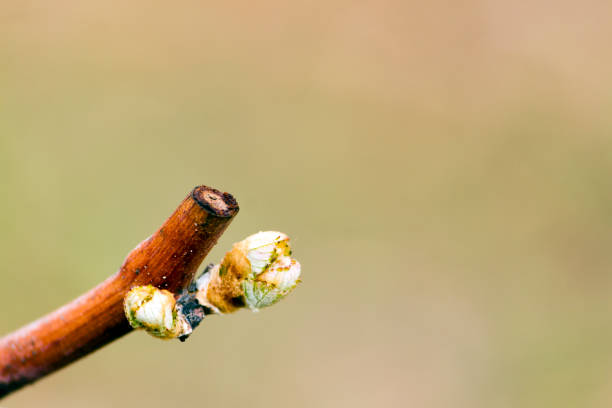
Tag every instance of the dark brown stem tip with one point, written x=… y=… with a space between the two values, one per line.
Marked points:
x=215 y=202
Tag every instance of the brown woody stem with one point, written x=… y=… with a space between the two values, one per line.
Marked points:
x=168 y=259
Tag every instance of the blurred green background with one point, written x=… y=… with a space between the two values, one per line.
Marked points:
x=443 y=169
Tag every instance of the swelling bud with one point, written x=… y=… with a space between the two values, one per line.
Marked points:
x=154 y=310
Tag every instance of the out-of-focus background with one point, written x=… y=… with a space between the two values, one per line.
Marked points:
x=442 y=167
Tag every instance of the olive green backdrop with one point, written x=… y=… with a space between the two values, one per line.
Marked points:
x=443 y=169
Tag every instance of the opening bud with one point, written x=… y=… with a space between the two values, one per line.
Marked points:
x=256 y=273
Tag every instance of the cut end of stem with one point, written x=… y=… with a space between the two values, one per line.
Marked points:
x=216 y=202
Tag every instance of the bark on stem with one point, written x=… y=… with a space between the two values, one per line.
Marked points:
x=168 y=260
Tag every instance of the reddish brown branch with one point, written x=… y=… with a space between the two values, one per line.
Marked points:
x=169 y=259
